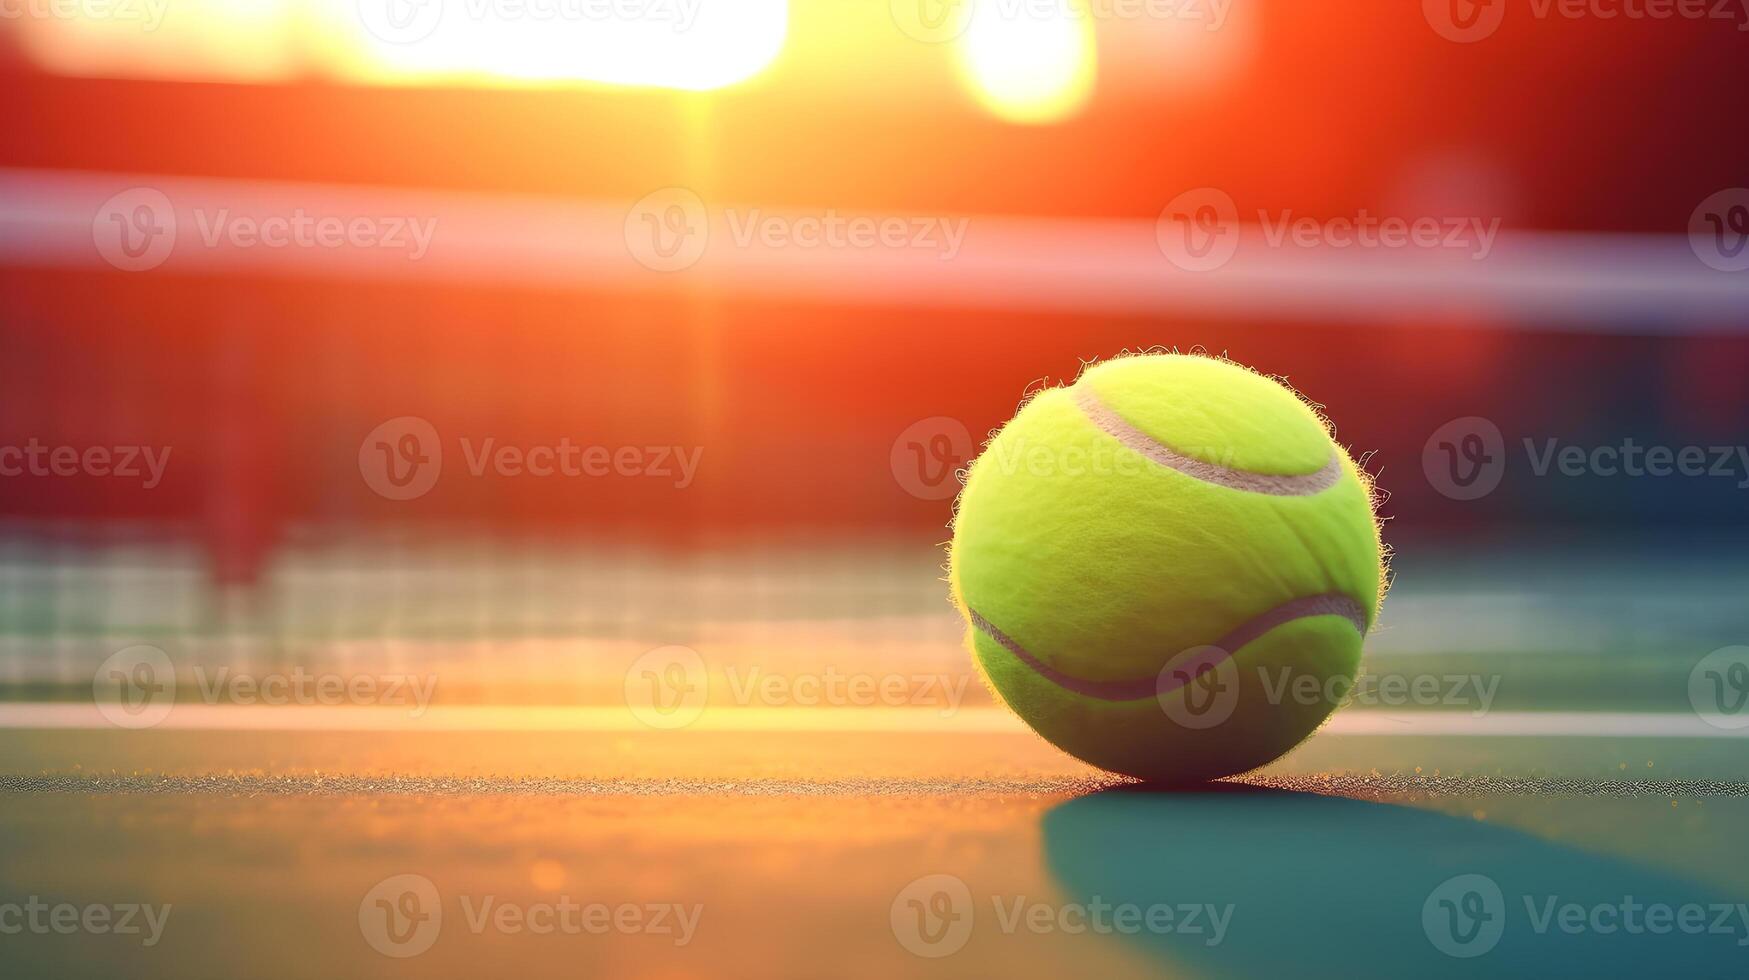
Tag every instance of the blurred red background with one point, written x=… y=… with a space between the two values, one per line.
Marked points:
x=264 y=384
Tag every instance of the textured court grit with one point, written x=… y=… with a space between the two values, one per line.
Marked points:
x=1374 y=786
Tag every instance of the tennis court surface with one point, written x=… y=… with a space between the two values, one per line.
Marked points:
x=870 y=812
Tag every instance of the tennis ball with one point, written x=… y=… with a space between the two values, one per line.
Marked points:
x=1167 y=567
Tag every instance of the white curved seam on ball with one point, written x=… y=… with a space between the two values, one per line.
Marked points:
x=1136 y=689
x=1119 y=428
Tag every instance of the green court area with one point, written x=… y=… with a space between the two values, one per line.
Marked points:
x=1527 y=778
x=793 y=852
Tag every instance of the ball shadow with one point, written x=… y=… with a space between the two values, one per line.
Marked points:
x=1329 y=886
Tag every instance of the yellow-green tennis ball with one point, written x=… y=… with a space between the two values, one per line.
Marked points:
x=1167 y=568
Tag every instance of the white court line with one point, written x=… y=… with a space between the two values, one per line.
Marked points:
x=979 y=720
x=513 y=718
x=1634 y=283
x=1557 y=724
